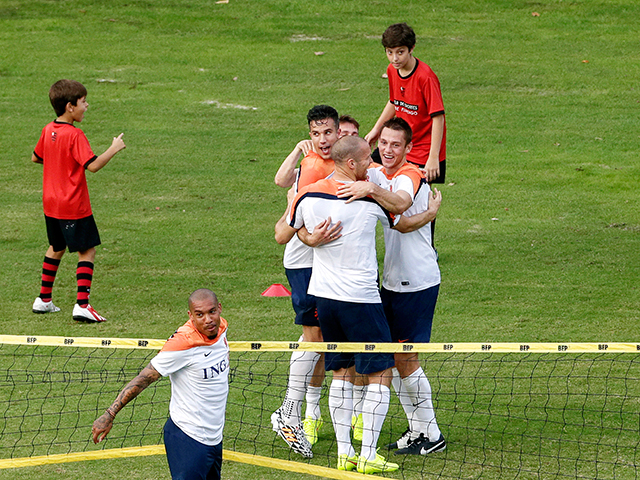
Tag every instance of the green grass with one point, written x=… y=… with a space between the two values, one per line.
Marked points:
x=539 y=229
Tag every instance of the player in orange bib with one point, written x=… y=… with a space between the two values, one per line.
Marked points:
x=306 y=371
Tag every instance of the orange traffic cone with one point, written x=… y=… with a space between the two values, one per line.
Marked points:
x=276 y=290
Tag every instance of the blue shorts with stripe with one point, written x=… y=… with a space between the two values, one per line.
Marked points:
x=354 y=322
x=410 y=314
x=189 y=459
x=303 y=304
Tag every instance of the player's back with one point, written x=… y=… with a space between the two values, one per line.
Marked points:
x=345 y=269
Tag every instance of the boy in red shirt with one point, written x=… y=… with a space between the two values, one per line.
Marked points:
x=64 y=152
x=414 y=96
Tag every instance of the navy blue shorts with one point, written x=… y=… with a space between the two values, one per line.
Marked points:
x=189 y=459
x=303 y=304
x=354 y=322
x=410 y=314
x=77 y=235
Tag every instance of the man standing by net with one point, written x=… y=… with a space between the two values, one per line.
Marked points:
x=196 y=358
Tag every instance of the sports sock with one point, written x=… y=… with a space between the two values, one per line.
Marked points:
x=84 y=276
x=313 y=402
x=49 y=270
x=300 y=371
x=340 y=407
x=374 y=411
x=419 y=390
x=405 y=400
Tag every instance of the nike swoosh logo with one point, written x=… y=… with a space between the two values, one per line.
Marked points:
x=207 y=354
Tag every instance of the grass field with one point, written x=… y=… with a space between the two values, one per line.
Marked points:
x=539 y=231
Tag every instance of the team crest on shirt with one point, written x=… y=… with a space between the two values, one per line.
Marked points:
x=53 y=136
x=402 y=91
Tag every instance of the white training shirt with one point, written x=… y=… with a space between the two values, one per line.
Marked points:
x=199 y=372
x=410 y=263
x=347 y=268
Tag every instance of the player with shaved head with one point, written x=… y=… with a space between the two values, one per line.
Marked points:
x=196 y=359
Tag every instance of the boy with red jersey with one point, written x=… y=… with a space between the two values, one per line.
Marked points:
x=65 y=154
x=415 y=96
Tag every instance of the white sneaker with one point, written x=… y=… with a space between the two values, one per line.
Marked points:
x=293 y=435
x=87 y=314
x=44 y=307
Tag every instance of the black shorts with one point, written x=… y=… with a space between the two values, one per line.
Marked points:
x=76 y=235
x=188 y=458
x=410 y=314
x=375 y=156
x=443 y=171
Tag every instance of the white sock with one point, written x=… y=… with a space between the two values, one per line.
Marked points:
x=340 y=407
x=374 y=411
x=313 y=402
x=358 y=399
x=405 y=400
x=300 y=371
x=419 y=390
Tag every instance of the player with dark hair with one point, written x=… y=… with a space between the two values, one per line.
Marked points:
x=65 y=154
x=410 y=285
x=196 y=359
x=306 y=372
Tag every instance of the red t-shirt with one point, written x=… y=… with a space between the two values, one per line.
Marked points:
x=417 y=99
x=65 y=153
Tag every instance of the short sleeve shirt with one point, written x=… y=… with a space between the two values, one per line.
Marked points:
x=199 y=372
x=417 y=98
x=65 y=153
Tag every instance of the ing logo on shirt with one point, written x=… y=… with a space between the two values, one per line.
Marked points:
x=215 y=370
x=53 y=136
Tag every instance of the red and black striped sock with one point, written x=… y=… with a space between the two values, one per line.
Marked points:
x=84 y=276
x=49 y=270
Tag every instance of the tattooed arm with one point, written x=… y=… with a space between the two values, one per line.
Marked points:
x=102 y=426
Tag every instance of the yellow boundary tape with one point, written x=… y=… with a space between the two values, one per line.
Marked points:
x=290 y=466
x=82 y=456
x=151 y=344
x=227 y=455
